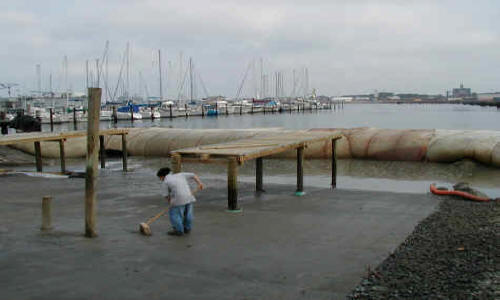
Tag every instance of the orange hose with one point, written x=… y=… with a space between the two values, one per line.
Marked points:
x=434 y=190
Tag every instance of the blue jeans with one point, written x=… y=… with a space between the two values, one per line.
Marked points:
x=181 y=217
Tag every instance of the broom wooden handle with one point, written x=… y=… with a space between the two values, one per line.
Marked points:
x=165 y=211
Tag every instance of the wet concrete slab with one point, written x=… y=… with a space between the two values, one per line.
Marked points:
x=280 y=247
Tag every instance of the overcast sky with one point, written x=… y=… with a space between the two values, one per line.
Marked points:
x=348 y=46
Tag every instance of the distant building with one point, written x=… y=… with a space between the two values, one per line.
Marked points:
x=488 y=96
x=461 y=92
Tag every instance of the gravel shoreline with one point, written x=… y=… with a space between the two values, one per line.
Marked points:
x=452 y=254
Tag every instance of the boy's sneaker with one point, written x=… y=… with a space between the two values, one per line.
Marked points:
x=187 y=231
x=175 y=233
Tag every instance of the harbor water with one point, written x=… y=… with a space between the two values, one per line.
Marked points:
x=412 y=177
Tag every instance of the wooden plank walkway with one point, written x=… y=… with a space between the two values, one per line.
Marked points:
x=61 y=137
x=237 y=152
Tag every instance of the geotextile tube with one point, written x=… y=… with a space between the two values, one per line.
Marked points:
x=360 y=143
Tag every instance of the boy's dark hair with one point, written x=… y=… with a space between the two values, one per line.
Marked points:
x=163 y=172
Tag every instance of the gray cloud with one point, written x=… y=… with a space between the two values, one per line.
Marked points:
x=348 y=46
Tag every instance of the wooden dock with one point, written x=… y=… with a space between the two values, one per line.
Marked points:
x=238 y=152
x=61 y=137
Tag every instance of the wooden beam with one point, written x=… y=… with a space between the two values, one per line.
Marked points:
x=334 y=164
x=102 y=151
x=38 y=157
x=232 y=184
x=124 y=152
x=176 y=163
x=62 y=155
x=94 y=107
x=259 y=175
x=300 y=171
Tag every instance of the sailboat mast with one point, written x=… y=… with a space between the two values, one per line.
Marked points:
x=159 y=70
x=191 y=78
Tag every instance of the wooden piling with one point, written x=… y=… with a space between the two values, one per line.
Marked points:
x=334 y=164
x=232 y=184
x=38 y=156
x=62 y=157
x=115 y=115
x=202 y=111
x=176 y=163
x=152 y=114
x=170 y=109
x=51 y=112
x=94 y=106
x=300 y=170
x=124 y=152
x=259 y=174
x=74 y=119
x=227 y=112
x=131 y=113
x=46 y=213
x=241 y=109
x=102 y=151
x=216 y=109
x=186 y=109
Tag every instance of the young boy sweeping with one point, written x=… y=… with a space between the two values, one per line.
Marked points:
x=175 y=188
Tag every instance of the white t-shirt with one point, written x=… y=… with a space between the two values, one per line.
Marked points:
x=177 y=186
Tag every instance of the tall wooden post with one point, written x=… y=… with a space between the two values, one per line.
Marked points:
x=186 y=109
x=202 y=110
x=124 y=152
x=232 y=184
x=51 y=111
x=227 y=112
x=259 y=175
x=152 y=114
x=62 y=157
x=94 y=106
x=131 y=113
x=46 y=213
x=300 y=172
x=176 y=163
x=115 y=115
x=170 y=109
x=102 y=151
x=241 y=109
x=216 y=109
x=74 y=119
x=38 y=156
x=334 y=164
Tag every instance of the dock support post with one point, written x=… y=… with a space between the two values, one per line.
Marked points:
x=202 y=110
x=51 y=111
x=241 y=109
x=259 y=175
x=74 y=119
x=124 y=152
x=216 y=109
x=152 y=114
x=176 y=163
x=38 y=156
x=170 y=109
x=62 y=157
x=102 y=151
x=46 y=213
x=115 y=115
x=300 y=172
x=92 y=160
x=232 y=185
x=227 y=112
x=334 y=164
